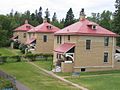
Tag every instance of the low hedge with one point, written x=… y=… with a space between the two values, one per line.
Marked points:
x=31 y=57
x=34 y=57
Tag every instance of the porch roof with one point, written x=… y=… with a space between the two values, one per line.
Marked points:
x=29 y=41
x=63 y=48
x=14 y=37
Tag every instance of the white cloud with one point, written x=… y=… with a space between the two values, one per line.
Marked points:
x=59 y=6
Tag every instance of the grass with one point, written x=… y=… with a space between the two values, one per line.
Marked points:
x=103 y=80
x=34 y=78
x=45 y=64
x=9 y=52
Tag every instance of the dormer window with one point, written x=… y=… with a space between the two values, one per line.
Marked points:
x=49 y=27
x=28 y=27
x=94 y=27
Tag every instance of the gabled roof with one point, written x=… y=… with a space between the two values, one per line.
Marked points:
x=25 y=27
x=82 y=27
x=63 y=48
x=44 y=27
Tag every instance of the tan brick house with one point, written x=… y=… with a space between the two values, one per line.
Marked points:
x=20 y=33
x=85 y=46
x=43 y=37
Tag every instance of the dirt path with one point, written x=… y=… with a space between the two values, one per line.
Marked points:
x=58 y=77
x=87 y=76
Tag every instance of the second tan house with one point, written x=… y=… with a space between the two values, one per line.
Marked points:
x=41 y=37
x=85 y=46
x=20 y=33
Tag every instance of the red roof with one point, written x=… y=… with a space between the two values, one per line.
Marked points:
x=83 y=28
x=45 y=27
x=25 y=27
x=64 y=47
x=29 y=41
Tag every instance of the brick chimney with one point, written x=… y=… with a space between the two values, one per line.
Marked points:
x=82 y=14
x=45 y=20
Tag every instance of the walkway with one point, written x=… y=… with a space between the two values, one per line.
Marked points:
x=58 y=77
x=20 y=86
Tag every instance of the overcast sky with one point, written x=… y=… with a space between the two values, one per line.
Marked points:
x=59 y=6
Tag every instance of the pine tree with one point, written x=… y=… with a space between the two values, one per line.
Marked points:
x=116 y=27
x=69 y=18
x=47 y=15
x=39 y=16
x=54 y=18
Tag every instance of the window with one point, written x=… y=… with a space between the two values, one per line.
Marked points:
x=94 y=27
x=60 y=39
x=57 y=39
x=28 y=27
x=106 y=41
x=58 y=56
x=105 y=56
x=45 y=38
x=69 y=37
x=49 y=27
x=82 y=69
x=88 y=43
x=24 y=35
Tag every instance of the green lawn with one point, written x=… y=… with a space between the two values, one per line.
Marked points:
x=106 y=80
x=9 y=52
x=34 y=78
x=45 y=64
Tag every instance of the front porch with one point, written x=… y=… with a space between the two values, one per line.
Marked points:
x=65 y=57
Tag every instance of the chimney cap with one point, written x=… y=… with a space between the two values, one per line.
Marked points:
x=82 y=14
x=26 y=21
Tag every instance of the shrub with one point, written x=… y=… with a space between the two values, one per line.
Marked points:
x=32 y=57
x=17 y=58
x=3 y=59
x=16 y=44
x=23 y=47
x=47 y=55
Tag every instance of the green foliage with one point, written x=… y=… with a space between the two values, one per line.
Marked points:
x=16 y=44
x=4 y=40
x=5 y=84
x=106 y=20
x=34 y=57
x=23 y=48
x=95 y=17
x=69 y=18
x=31 y=57
x=116 y=22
